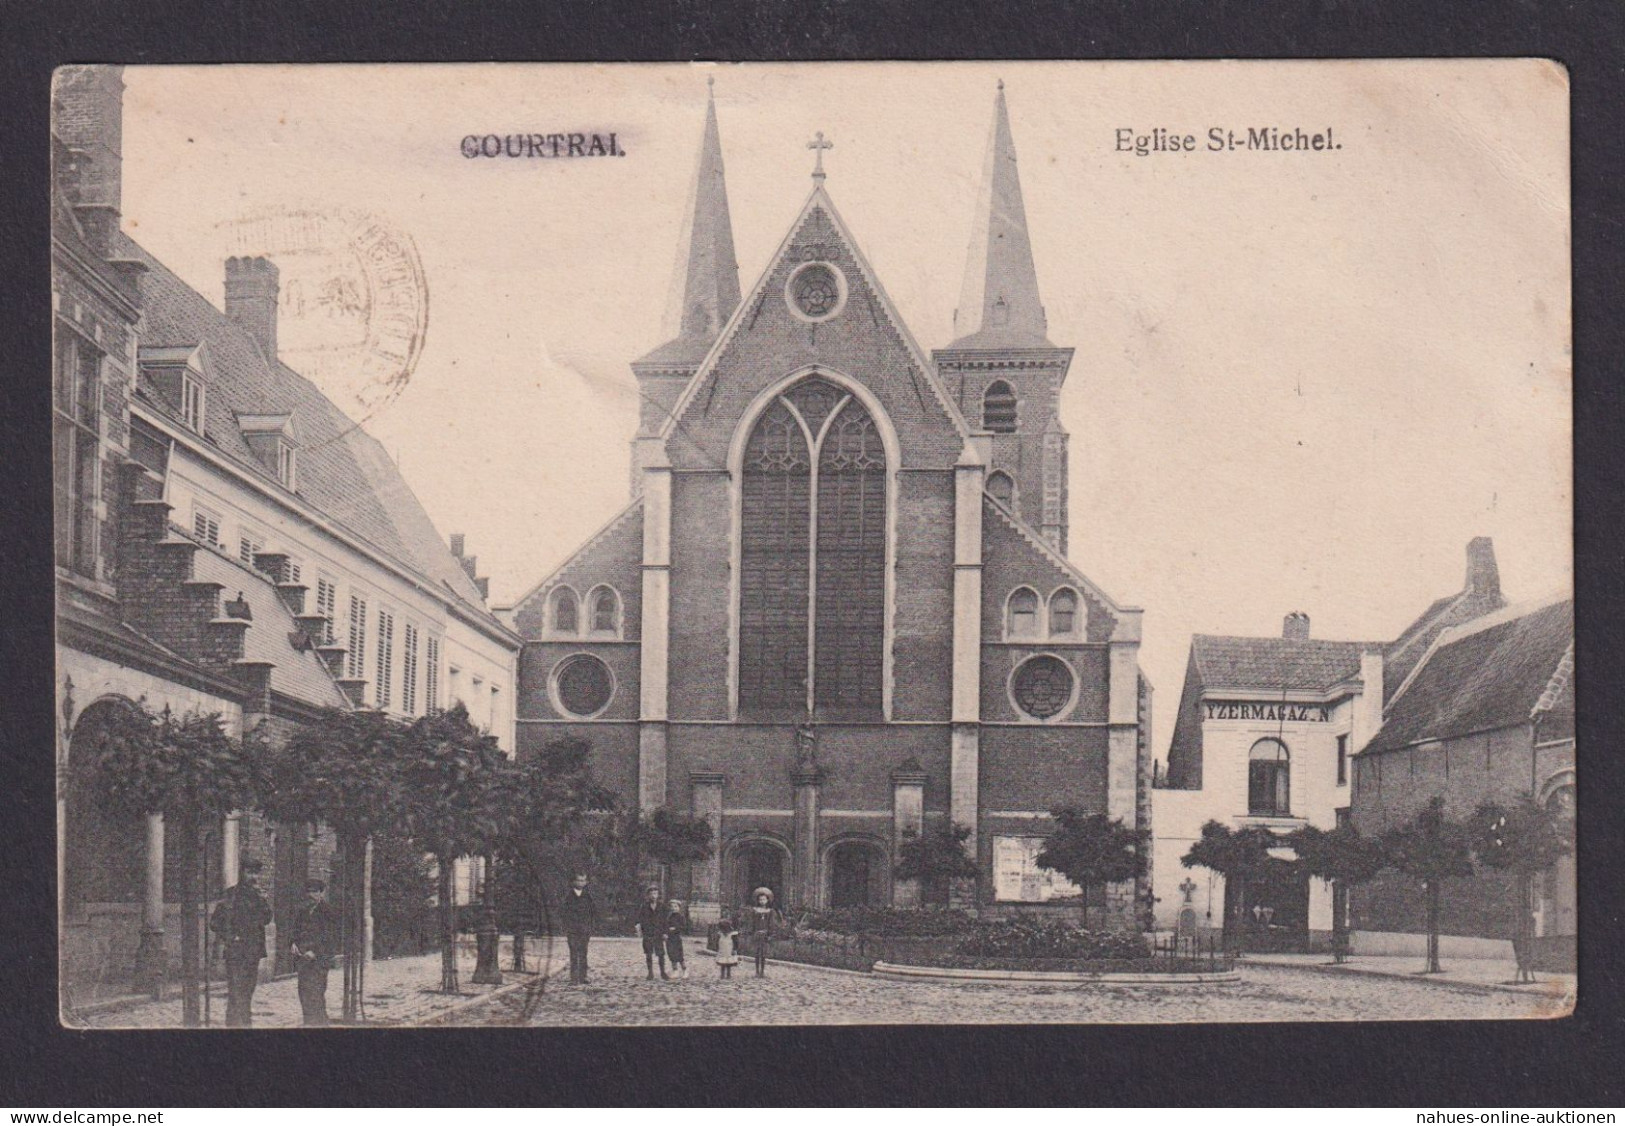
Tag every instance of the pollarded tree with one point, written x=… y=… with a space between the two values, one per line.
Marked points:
x=935 y=857
x=1525 y=840
x=665 y=837
x=1240 y=856
x=457 y=801
x=344 y=769
x=1430 y=849
x=1093 y=850
x=1345 y=858
x=192 y=773
x=550 y=794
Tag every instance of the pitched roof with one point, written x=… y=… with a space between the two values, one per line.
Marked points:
x=1274 y=663
x=818 y=208
x=999 y=306
x=1491 y=673
x=344 y=473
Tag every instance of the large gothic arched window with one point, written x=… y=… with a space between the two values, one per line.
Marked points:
x=813 y=556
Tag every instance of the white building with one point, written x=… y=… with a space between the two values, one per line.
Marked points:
x=1265 y=735
x=228 y=542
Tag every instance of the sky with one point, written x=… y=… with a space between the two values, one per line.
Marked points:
x=1302 y=381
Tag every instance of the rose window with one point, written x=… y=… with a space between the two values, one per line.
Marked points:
x=1042 y=687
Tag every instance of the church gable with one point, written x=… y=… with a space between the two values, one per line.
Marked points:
x=572 y=602
x=817 y=306
x=1015 y=561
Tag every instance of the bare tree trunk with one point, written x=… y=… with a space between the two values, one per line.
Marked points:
x=1434 y=896
x=191 y=971
x=448 y=928
x=1340 y=922
x=352 y=898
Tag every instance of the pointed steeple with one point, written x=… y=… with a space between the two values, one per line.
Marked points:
x=705 y=285
x=999 y=305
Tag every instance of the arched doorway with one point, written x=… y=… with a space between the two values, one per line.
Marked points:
x=757 y=862
x=856 y=874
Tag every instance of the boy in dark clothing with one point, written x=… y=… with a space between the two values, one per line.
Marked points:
x=675 y=926
x=580 y=916
x=315 y=941
x=652 y=929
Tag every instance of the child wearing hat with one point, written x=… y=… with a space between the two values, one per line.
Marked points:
x=763 y=916
x=675 y=926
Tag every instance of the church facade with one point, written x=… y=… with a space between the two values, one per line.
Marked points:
x=838 y=608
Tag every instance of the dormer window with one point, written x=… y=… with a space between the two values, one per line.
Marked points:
x=192 y=402
x=286 y=465
x=272 y=439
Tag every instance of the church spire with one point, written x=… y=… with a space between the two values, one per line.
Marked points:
x=999 y=305
x=705 y=286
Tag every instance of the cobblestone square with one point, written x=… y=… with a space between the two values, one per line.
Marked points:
x=617 y=993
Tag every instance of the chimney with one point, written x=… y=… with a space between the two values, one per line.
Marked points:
x=1368 y=708
x=1483 y=576
x=87 y=116
x=457 y=541
x=1295 y=626
x=251 y=300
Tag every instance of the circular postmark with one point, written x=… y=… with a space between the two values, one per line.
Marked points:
x=354 y=304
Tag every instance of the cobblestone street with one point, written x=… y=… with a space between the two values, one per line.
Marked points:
x=618 y=994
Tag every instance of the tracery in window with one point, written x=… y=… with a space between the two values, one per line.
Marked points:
x=1042 y=686
x=815 y=432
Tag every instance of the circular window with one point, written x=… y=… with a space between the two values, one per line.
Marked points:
x=1042 y=687
x=583 y=685
x=816 y=291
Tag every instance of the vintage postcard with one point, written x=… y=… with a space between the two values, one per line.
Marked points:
x=823 y=543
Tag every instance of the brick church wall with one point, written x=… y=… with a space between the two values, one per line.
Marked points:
x=1033 y=767
x=922 y=642
x=701 y=516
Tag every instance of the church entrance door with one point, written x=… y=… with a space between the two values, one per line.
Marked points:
x=855 y=872
x=759 y=865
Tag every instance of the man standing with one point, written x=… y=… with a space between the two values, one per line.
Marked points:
x=580 y=919
x=315 y=938
x=652 y=929
x=239 y=921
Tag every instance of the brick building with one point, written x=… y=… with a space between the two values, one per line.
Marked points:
x=227 y=541
x=1266 y=735
x=839 y=605
x=1487 y=715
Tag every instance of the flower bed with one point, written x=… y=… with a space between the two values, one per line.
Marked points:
x=955 y=941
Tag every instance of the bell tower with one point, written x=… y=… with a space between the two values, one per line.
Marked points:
x=1001 y=367
x=704 y=294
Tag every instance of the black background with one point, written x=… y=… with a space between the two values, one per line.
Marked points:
x=1573 y=1062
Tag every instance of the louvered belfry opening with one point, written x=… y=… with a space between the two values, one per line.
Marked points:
x=813 y=558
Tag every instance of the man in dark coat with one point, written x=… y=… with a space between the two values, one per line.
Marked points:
x=315 y=940
x=580 y=920
x=239 y=922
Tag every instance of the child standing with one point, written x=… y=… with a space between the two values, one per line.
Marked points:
x=727 y=948
x=763 y=918
x=675 y=926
